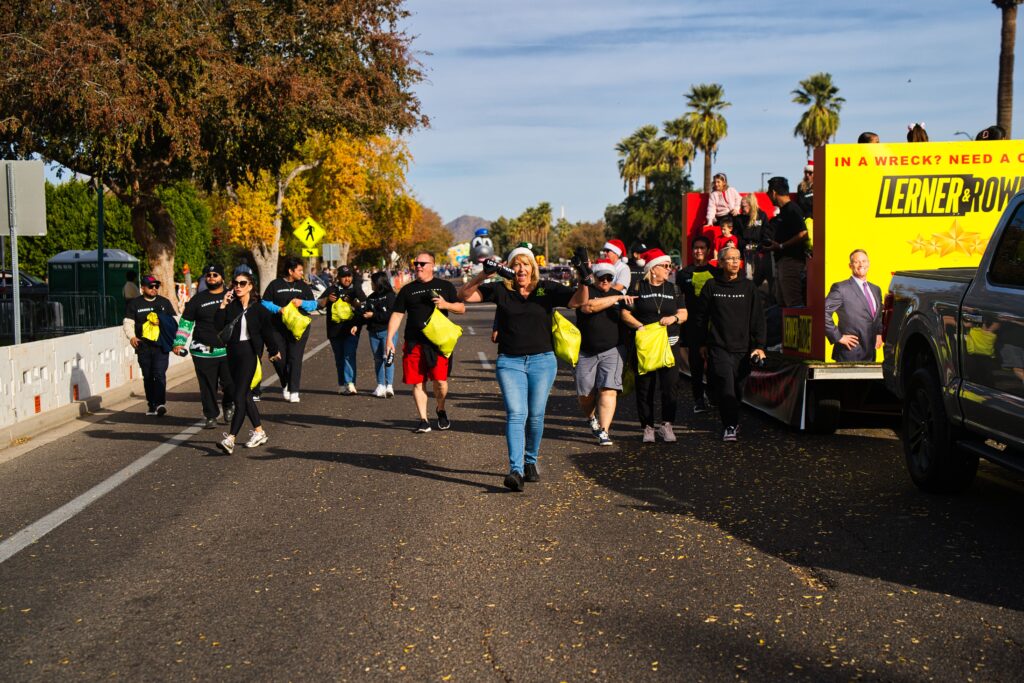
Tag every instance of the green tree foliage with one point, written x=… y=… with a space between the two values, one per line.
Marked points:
x=820 y=122
x=589 y=235
x=653 y=216
x=705 y=124
x=147 y=94
x=533 y=225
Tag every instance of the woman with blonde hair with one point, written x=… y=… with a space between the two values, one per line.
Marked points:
x=723 y=200
x=526 y=365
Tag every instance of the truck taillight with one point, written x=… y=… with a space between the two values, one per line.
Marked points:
x=887 y=306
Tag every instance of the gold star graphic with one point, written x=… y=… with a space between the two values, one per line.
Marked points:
x=916 y=244
x=956 y=239
x=931 y=247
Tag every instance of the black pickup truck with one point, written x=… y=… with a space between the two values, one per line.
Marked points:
x=954 y=355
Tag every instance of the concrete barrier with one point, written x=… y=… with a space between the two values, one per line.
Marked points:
x=45 y=375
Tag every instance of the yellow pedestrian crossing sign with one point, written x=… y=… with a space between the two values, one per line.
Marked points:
x=309 y=233
x=310 y=253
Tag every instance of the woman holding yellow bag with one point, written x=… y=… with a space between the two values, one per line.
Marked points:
x=290 y=290
x=657 y=302
x=343 y=302
x=526 y=364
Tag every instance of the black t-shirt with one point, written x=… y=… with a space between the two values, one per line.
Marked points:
x=602 y=330
x=416 y=301
x=655 y=302
x=202 y=309
x=749 y=231
x=691 y=281
x=280 y=292
x=354 y=296
x=524 y=324
x=787 y=225
x=139 y=308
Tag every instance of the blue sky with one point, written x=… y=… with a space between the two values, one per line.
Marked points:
x=528 y=98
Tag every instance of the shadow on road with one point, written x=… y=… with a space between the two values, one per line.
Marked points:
x=840 y=503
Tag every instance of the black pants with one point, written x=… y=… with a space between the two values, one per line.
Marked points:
x=729 y=372
x=289 y=368
x=242 y=363
x=153 y=363
x=210 y=371
x=696 y=371
x=645 y=384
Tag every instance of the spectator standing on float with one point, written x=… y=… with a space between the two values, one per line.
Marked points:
x=731 y=321
x=602 y=351
x=197 y=329
x=723 y=200
x=867 y=138
x=805 y=190
x=344 y=335
x=916 y=133
x=377 y=313
x=421 y=360
x=789 y=236
x=750 y=228
x=246 y=327
x=656 y=300
x=290 y=290
x=140 y=314
x=691 y=280
x=526 y=365
x=615 y=251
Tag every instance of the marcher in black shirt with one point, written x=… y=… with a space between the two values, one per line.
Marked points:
x=691 y=281
x=290 y=290
x=526 y=365
x=731 y=320
x=789 y=235
x=344 y=334
x=141 y=314
x=656 y=300
x=376 y=314
x=602 y=351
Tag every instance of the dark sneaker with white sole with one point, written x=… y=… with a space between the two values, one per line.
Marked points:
x=423 y=427
x=514 y=481
x=531 y=474
x=443 y=422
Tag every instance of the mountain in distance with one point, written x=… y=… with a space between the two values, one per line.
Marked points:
x=463 y=227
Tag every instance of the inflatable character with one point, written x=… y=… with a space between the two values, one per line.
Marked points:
x=481 y=247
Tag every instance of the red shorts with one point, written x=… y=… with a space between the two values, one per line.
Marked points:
x=414 y=366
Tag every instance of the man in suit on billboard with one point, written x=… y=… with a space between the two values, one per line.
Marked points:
x=859 y=304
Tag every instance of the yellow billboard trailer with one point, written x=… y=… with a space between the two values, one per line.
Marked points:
x=909 y=206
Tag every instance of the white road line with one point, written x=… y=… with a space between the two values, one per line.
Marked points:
x=483 y=360
x=470 y=329
x=35 y=531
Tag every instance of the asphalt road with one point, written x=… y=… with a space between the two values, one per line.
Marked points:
x=350 y=548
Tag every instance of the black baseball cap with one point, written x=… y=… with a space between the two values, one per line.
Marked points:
x=149 y=281
x=344 y=271
x=214 y=268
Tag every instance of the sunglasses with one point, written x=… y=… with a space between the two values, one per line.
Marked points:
x=605 y=278
x=240 y=283
x=213 y=275
x=151 y=286
x=422 y=264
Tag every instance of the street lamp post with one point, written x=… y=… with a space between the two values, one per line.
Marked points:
x=763 y=174
x=966 y=135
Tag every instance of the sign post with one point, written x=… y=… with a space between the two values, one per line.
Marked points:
x=12 y=221
x=310 y=234
x=22 y=207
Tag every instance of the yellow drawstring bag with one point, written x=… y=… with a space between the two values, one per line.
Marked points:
x=653 y=351
x=257 y=376
x=981 y=342
x=151 y=327
x=341 y=311
x=565 y=338
x=442 y=332
x=294 y=321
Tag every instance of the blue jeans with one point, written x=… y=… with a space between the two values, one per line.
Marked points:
x=525 y=383
x=385 y=374
x=344 y=347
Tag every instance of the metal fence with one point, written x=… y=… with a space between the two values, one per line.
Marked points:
x=58 y=315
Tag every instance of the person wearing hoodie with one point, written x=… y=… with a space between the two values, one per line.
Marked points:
x=731 y=321
x=290 y=290
x=344 y=334
x=377 y=312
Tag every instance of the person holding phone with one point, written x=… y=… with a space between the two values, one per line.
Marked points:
x=245 y=328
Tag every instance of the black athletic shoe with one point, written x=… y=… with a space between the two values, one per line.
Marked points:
x=532 y=474
x=210 y=423
x=443 y=422
x=700 y=406
x=423 y=428
x=161 y=410
x=514 y=481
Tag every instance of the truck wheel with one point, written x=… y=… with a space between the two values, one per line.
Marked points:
x=822 y=411
x=935 y=462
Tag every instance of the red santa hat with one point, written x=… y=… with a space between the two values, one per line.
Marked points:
x=616 y=246
x=809 y=166
x=654 y=257
x=603 y=267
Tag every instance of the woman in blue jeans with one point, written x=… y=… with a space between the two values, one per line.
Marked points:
x=377 y=312
x=343 y=334
x=526 y=364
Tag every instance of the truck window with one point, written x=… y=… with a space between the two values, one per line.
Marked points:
x=1007 y=266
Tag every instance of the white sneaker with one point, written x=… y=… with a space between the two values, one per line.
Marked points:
x=379 y=391
x=389 y=391
x=595 y=426
x=227 y=444
x=287 y=394
x=666 y=433
x=256 y=439
x=294 y=397
x=603 y=439
x=351 y=389
x=648 y=434
x=730 y=433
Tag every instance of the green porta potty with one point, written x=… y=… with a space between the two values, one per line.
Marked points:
x=74 y=279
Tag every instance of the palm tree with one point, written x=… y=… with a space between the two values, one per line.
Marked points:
x=653 y=156
x=677 y=142
x=705 y=124
x=1004 y=95
x=628 y=150
x=821 y=120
